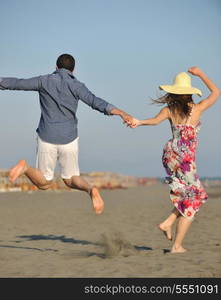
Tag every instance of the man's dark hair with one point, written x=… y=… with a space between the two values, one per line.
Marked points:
x=66 y=61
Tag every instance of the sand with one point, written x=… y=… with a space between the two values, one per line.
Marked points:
x=57 y=234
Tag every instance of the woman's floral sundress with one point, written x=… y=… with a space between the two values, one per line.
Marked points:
x=179 y=154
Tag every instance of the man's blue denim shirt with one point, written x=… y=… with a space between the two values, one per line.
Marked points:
x=59 y=94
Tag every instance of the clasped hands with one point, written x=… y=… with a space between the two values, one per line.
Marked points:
x=130 y=121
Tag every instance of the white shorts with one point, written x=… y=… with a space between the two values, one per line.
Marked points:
x=67 y=156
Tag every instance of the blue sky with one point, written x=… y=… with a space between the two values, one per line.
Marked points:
x=124 y=49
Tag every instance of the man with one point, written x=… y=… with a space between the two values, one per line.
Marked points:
x=59 y=94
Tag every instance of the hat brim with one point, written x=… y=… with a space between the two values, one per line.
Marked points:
x=180 y=90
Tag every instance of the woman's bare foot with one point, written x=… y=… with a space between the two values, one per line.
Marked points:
x=17 y=170
x=167 y=231
x=179 y=249
x=97 y=201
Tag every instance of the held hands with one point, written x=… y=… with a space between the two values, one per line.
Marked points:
x=135 y=123
x=132 y=122
x=128 y=119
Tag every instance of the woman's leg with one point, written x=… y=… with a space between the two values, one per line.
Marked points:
x=181 y=230
x=166 y=226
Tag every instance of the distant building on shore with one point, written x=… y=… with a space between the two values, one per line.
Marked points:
x=103 y=180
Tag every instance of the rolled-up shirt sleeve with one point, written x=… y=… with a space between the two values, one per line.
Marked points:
x=12 y=83
x=85 y=95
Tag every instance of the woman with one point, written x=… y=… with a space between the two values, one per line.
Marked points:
x=187 y=193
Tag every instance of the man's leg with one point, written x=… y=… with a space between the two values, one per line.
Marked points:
x=35 y=175
x=42 y=175
x=77 y=182
x=68 y=159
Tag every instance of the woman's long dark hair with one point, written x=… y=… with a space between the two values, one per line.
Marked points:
x=177 y=104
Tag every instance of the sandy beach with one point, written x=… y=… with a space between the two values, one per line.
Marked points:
x=57 y=234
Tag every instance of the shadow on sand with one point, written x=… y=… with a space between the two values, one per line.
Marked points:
x=112 y=244
x=52 y=237
x=28 y=248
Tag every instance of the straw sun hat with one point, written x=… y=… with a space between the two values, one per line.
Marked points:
x=181 y=85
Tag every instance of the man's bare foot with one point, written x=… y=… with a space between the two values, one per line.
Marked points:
x=167 y=231
x=179 y=249
x=17 y=170
x=97 y=201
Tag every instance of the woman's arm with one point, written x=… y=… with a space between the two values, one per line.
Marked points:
x=215 y=92
x=160 y=117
